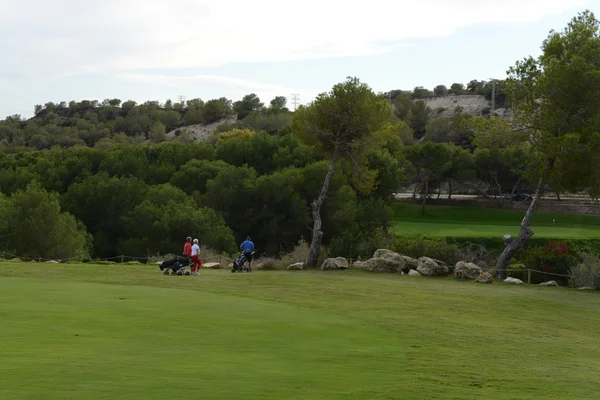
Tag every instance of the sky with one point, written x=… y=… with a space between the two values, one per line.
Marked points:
x=64 y=50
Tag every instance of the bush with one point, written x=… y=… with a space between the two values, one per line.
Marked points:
x=586 y=273
x=434 y=247
x=552 y=258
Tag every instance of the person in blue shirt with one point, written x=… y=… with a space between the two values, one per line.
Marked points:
x=247 y=248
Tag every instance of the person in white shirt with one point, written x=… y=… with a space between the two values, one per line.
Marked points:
x=197 y=262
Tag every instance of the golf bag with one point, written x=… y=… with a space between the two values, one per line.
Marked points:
x=238 y=263
x=176 y=266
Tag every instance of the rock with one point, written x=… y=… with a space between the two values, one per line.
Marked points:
x=159 y=262
x=513 y=281
x=428 y=267
x=378 y=265
x=549 y=283
x=335 y=264
x=465 y=270
x=408 y=263
x=485 y=277
x=212 y=265
x=16 y=259
x=586 y=288
x=412 y=272
x=439 y=262
x=52 y=262
x=296 y=267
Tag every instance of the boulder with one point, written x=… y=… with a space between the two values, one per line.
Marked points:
x=485 y=277
x=296 y=266
x=428 y=267
x=404 y=263
x=16 y=259
x=465 y=270
x=412 y=272
x=586 y=288
x=212 y=265
x=378 y=265
x=335 y=264
x=52 y=262
x=408 y=263
x=549 y=283
x=513 y=281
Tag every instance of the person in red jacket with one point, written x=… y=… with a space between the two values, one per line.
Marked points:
x=187 y=247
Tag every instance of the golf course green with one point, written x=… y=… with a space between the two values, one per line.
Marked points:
x=468 y=221
x=72 y=331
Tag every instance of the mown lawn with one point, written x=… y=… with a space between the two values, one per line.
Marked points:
x=464 y=221
x=128 y=332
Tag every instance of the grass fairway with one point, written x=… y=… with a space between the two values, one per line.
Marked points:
x=465 y=221
x=127 y=332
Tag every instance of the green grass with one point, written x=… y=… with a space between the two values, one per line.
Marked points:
x=465 y=221
x=128 y=332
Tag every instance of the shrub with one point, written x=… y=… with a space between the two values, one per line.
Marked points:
x=549 y=259
x=434 y=247
x=586 y=273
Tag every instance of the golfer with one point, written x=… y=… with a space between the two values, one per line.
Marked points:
x=187 y=247
x=197 y=263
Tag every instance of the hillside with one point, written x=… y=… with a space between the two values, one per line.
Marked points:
x=472 y=104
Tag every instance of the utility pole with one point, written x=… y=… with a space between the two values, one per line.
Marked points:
x=181 y=98
x=295 y=98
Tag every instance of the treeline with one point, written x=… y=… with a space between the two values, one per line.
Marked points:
x=139 y=200
x=112 y=122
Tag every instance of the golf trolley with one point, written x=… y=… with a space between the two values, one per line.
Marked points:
x=238 y=263
x=176 y=266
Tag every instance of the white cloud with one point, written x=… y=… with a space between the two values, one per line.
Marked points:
x=62 y=37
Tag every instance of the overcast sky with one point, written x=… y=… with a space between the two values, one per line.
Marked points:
x=149 y=50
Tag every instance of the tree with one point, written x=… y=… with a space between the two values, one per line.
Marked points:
x=157 y=133
x=440 y=90
x=216 y=109
x=556 y=100
x=432 y=162
x=340 y=124
x=278 y=104
x=457 y=88
x=36 y=227
x=418 y=117
x=249 y=103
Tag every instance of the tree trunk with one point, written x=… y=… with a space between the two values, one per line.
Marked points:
x=558 y=195
x=439 y=190
x=425 y=196
x=317 y=233
x=449 y=190
x=416 y=185
x=512 y=245
x=514 y=189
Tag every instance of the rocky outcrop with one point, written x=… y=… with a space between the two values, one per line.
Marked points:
x=465 y=270
x=428 y=267
x=338 y=263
